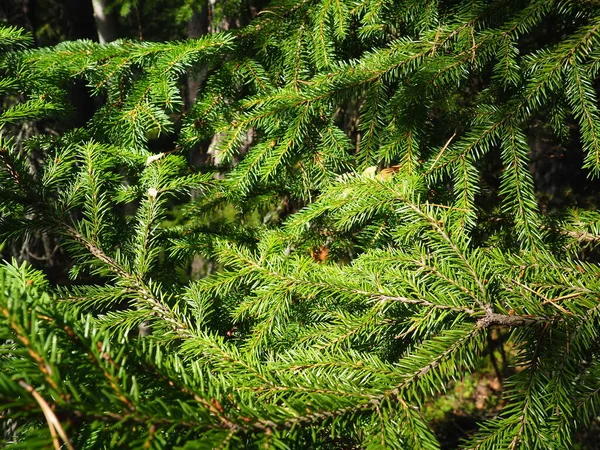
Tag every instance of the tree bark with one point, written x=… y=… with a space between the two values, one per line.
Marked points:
x=29 y=13
x=197 y=26
x=105 y=22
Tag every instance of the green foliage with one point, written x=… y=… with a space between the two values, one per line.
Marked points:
x=362 y=132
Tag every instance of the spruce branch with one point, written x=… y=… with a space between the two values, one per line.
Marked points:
x=56 y=429
x=141 y=289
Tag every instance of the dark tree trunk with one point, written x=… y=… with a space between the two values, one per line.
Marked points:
x=197 y=26
x=29 y=15
x=79 y=17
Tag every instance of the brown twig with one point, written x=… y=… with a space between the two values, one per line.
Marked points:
x=53 y=423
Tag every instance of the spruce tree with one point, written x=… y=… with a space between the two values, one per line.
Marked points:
x=371 y=209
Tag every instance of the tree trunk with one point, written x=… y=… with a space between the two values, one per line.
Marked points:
x=105 y=22
x=197 y=26
x=29 y=13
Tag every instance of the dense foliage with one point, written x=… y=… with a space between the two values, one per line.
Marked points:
x=375 y=205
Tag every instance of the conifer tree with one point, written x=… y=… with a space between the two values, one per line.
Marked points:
x=371 y=210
